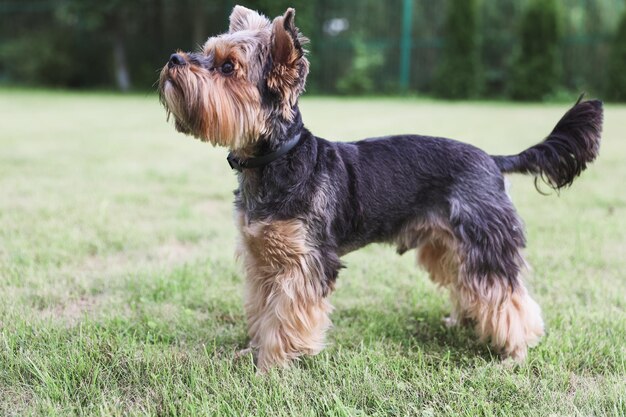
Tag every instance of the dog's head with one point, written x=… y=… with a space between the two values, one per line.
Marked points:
x=242 y=85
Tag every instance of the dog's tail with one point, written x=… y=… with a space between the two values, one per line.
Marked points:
x=565 y=153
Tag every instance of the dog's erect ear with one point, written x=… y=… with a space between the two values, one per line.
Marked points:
x=289 y=64
x=286 y=39
x=242 y=18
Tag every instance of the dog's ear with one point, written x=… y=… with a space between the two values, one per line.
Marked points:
x=290 y=67
x=286 y=39
x=242 y=18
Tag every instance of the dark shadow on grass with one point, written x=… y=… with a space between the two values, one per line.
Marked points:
x=410 y=329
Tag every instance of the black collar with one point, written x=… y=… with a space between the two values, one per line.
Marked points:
x=260 y=161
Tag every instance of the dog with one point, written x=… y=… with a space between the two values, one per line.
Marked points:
x=303 y=202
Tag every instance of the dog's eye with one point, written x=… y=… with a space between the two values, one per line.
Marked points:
x=227 y=68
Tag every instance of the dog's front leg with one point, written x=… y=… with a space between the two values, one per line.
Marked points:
x=285 y=305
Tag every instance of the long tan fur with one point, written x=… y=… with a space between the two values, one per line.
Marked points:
x=287 y=313
x=509 y=318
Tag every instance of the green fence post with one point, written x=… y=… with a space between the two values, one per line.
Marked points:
x=405 y=44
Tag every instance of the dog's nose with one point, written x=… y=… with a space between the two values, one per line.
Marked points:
x=175 y=60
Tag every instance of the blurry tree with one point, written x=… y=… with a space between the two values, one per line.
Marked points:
x=428 y=23
x=48 y=61
x=359 y=78
x=616 y=86
x=458 y=75
x=536 y=69
x=497 y=37
x=115 y=20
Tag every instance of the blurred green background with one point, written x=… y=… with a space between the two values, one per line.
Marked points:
x=458 y=49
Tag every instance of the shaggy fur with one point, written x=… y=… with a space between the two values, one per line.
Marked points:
x=298 y=214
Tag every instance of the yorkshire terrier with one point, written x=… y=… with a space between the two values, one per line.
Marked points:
x=303 y=201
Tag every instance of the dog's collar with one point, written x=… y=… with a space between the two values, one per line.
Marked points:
x=260 y=161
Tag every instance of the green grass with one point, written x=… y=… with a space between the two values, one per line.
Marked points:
x=120 y=295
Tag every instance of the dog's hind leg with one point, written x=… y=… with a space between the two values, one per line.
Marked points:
x=285 y=301
x=506 y=316
x=490 y=289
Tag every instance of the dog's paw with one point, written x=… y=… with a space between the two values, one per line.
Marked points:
x=450 y=321
x=244 y=352
x=514 y=357
x=454 y=321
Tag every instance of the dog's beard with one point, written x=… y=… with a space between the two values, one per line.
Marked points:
x=223 y=111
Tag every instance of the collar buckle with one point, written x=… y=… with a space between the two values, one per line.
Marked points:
x=234 y=163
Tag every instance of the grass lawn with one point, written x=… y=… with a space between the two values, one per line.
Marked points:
x=120 y=295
